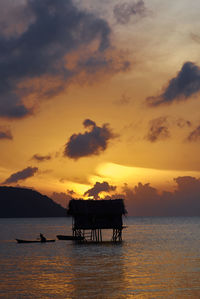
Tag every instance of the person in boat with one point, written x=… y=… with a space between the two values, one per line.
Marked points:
x=42 y=238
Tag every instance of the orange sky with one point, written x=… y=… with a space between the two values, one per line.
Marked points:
x=108 y=68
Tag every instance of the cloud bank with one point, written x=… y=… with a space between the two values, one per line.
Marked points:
x=62 y=198
x=179 y=88
x=21 y=175
x=144 y=200
x=92 y=142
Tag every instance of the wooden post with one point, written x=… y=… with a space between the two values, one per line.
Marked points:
x=100 y=235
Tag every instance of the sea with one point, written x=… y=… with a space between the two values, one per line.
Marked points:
x=158 y=258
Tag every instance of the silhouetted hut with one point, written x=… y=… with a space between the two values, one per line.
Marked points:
x=91 y=216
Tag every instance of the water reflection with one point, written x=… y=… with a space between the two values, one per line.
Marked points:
x=34 y=275
x=160 y=258
x=98 y=271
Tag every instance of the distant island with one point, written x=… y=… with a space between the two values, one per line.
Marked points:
x=22 y=202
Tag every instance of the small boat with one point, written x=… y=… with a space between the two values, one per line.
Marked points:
x=33 y=241
x=73 y=238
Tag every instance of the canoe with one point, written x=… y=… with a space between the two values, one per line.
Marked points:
x=33 y=241
x=73 y=238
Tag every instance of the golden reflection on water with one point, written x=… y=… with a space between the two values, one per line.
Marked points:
x=156 y=260
x=98 y=275
x=53 y=281
x=38 y=278
x=104 y=271
x=162 y=271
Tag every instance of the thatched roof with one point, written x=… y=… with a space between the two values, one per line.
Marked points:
x=96 y=207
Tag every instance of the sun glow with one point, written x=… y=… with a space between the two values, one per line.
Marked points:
x=120 y=174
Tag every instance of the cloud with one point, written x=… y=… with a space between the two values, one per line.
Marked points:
x=181 y=87
x=18 y=19
x=70 y=192
x=144 y=200
x=195 y=37
x=89 y=123
x=182 y=123
x=123 y=12
x=21 y=175
x=36 y=58
x=62 y=198
x=94 y=141
x=194 y=135
x=98 y=188
x=40 y=158
x=5 y=134
x=158 y=129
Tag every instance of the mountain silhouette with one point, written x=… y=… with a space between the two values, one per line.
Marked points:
x=22 y=202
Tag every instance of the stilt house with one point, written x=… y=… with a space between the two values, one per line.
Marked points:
x=91 y=216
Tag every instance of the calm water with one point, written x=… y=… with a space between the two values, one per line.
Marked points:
x=159 y=258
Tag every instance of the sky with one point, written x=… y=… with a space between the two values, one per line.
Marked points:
x=100 y=99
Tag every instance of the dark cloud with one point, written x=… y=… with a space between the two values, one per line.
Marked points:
x=5 y=134
x=21 y=175
x=41 y=49
x=123 y=12
x=158 y=129
x=91 y=142
x=183 y=86
x=89 y=123
x=40 y=158
x=187 y=185
x=98 y=188
x=144 y=200
x=194 y=135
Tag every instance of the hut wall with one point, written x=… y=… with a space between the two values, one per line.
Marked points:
x=97 y=221
x=97 y=214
